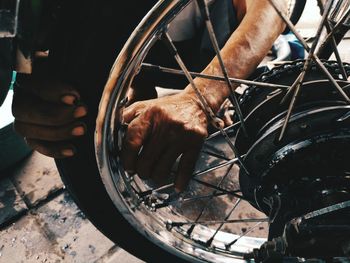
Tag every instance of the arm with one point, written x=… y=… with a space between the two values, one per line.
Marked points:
x=171 y=126
x=244 y=50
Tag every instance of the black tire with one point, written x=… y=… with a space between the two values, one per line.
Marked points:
x=297 y=11
x=80 y=174
x=95 y=37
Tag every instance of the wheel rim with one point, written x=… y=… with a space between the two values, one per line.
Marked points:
x=164 y=227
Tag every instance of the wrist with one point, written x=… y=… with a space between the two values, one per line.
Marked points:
x=214 y=92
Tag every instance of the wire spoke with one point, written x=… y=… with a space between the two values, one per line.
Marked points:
x=209 y=112
x=333 y=42
x=216 y=155
x=134 y=188
x=161 y=69
x=290 y=25
x=208 y=170
x=233 y=193
x=346 y=116
x=336 y=51
x=331 y=79
x=214 y=222
x=216 y=167
x=205 y=14
x=209 y=196
x=130 y=179
x=311 y=51
x=217 y=188
x=336 y=28
x=190 y=199
x=307 y=48
x=210 y=241
x=245 y=233
x=159 y=189
x=227 y=129
x=298 y=83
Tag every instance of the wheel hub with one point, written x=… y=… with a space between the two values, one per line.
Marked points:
x=309 y=169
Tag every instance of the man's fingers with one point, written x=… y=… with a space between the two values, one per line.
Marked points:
x=186 y=167
x=31 y=109
x=134 y=110
x=49 y=133
x=137 y=133
x=51 y=91
x=163 y=167
x=150 y=155
x=52 y=149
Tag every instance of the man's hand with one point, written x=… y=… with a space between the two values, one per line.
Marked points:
x=47 y=113
x=161 y=130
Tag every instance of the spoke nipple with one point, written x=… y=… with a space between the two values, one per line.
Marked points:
x=190 y=230
x=153 y=207
x=208 y=243
x=304 y=126
x=169 y=225
x=228 y=246
x=123 y=102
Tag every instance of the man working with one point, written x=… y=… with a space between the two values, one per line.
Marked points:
x=48 y=115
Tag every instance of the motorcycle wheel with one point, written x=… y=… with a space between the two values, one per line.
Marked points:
x=108 y=209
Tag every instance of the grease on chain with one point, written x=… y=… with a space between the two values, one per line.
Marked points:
x=294 y=67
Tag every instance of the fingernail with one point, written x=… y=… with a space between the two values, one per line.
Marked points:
x=78 y=131
x=69 y=99
x=67 y=152
x=80 y=112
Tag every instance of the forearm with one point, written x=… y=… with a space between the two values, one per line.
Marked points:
x=244 y=50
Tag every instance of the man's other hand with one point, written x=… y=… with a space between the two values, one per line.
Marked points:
x=48 y=115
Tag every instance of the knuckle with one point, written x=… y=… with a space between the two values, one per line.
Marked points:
x=136 y=106
x=157 y=108
x=156 y=112
x=196 y=132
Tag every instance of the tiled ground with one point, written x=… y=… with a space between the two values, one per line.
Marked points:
x=39 y=222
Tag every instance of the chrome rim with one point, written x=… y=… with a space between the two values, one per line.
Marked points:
x=202 y=233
